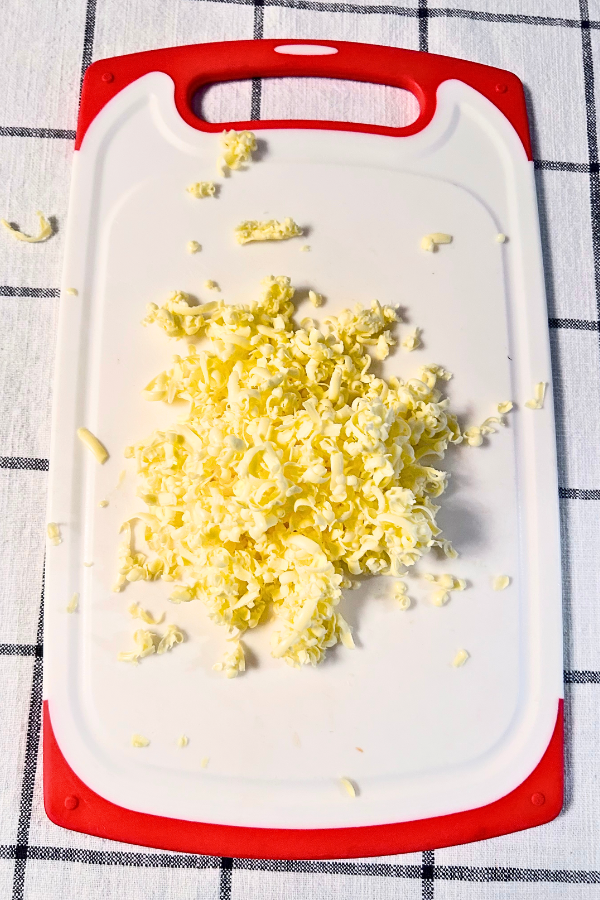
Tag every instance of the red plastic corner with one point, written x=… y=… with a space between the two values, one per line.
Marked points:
x=198 y=64
x=71 y=804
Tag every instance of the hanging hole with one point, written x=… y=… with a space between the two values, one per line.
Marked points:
x=301 y=98
x=306 y=50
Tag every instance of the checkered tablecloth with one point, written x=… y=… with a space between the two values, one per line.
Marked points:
x=45 y=47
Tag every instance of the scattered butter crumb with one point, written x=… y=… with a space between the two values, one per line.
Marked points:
x=348 y=787
x=403 y=599
x=103 y=503
x=122 y=477
x=138 y=740
x=88 y=564
x=430 y=241
x=505 y=407
x=460 y=659
x=500 y=582
x=182 y=741
x=446 y=584
x=136 y=612
x=232 y=663
x=412 y=340
x=204 y=762
x=201 y=189
x=53 y=532
x=171 y=637
x=73 y=291
x=211 y=285
x=315 y=299
x=360 y=749
x=271 y=230
x=305 y=248
x=538 y=400
x=144 y=646
x=93 y=444
x=45 y=230
x=73 y=603
x=501 y=238
x=193 y=246
x=239 y=146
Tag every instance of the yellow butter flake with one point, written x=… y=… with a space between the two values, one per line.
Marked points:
x=53 y=532
x=501 y=238
x=538 y=399
x=73 y=603
x=72 y=291
x=93 y=444
x=271 y=230
x=400 y=593
x=412 y=340
x=500 y=582
x=103 y=504
x=145 y=645
x=182 y=741
x=460 y=659
x=200 y=189
x=446 y=584
x=238 y=148
x=430 y=242
x=170 y=638
x=446 y=581
x=211 y=285
x=88 y=565
x=138 y=740
x=232 y=663
x=44 y=234
x=348 y=787
x=315 y=299
x=204 y=762
x=193 y=247
x=305 y=248
x=136 y=612
x=505 y=407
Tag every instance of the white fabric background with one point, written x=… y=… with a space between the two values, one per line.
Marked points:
x=554 y=47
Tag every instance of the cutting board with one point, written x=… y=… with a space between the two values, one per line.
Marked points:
x=446 y=755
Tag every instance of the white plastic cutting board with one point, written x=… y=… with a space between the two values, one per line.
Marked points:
x=435 y=739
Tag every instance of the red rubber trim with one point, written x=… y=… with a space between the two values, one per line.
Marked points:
x=70 y=804
x=191 y=67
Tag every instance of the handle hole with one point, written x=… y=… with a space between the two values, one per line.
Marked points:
x=324 y=99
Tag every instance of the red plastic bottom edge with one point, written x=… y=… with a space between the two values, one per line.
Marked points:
x=71 y=804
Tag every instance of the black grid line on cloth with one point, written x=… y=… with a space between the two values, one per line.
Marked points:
x=88 y=38
x=423 y=26
x=21 y=650
x=412 y=12
x=581 y=676
x=557 y=165
x=577 y=324
x=428 y=875
x=125 y=858
x=64 y=134
x=258 y=33
x=592 y=139
x=225 y=878
x=31 y=755
x=23 y=462
x=7 y=290
x=578 y=494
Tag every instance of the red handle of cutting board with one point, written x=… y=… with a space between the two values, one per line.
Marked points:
x=196 y=65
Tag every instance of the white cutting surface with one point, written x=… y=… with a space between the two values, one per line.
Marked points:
x=435 y=739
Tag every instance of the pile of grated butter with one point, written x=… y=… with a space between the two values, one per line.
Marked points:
x=294 y=468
